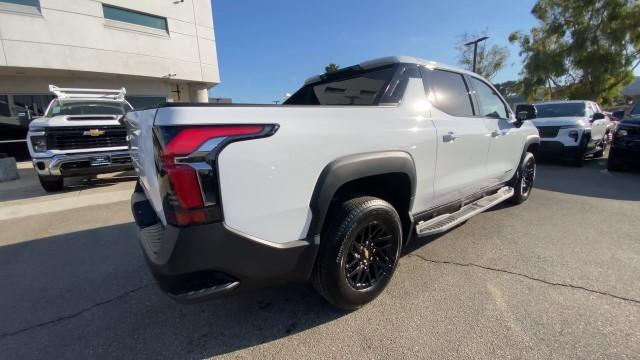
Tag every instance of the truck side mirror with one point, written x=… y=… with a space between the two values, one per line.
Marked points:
x=526 y=112
x=598 y=116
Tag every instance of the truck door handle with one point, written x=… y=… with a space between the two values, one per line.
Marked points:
x=496 y=133
x=449 y=137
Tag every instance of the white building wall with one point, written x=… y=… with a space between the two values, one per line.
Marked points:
x=73 y=35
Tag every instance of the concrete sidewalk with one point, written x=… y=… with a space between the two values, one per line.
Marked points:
x=25 y=196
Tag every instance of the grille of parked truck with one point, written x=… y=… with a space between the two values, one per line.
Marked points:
x=328 y=187
x=80 y=134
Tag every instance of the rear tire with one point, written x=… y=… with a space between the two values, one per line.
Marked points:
x=358 y=252
x=51 y=183
x=522 y=181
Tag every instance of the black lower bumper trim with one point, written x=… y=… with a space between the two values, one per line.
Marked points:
x=202 y=262
x=556 y=148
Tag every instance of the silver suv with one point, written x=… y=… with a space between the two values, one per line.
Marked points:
x=572 y=129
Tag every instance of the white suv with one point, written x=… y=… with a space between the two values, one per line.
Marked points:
x=572 y=129
x=327 y=187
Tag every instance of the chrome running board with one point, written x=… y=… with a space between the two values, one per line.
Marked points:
x=447 y=221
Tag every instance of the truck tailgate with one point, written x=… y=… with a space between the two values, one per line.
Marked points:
x=140 y=134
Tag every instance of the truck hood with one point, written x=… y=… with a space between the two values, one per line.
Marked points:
x=77 y=120
x=562 y=121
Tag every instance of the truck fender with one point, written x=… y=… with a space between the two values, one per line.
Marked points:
x=531 y=139
x=352 y=167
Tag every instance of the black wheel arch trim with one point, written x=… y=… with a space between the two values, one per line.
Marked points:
x=353 y=167
x=530 y=140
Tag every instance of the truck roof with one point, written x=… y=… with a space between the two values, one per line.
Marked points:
x=370 y=64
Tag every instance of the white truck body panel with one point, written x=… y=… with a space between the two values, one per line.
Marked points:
x=266 y=184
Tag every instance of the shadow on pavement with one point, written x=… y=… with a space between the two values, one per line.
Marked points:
x=591 y=180
x=88 y=294
x=28 y=186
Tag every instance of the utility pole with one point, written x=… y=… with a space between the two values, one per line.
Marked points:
x=475 y=49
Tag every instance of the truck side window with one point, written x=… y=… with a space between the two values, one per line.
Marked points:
x=490 y=103
x=449 y=92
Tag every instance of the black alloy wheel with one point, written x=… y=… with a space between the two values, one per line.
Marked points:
x=522 y=181
x=359 y=252
x=528 y=175
x=371 y=256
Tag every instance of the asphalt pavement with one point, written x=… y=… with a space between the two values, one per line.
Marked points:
x=556 y=277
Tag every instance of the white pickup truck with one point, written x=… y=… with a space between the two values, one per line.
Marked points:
x=80 y=134
x=329 y=186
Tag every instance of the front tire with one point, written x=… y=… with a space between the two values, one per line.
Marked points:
x=358 y=252
x=523 y=179
x=51 y=183
x=613 y=163
x=578 y=158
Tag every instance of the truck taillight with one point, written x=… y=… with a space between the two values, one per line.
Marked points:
x=187 y=160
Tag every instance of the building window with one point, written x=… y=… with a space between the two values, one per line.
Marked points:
x=133 y=17
x=35 y=3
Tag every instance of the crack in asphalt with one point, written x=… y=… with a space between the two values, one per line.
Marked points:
x=76 y=314
x=576 y=287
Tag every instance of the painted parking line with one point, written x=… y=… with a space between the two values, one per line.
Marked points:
x=66 y=203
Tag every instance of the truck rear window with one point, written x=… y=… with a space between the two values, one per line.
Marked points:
x=345 y=87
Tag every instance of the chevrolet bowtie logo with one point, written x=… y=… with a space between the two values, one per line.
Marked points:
x=93 y=132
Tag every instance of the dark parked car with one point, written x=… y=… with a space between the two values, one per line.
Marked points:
x=625 y=149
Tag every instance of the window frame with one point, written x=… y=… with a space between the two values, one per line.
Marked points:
x=127 y=25
x=507 y=109
x=354 y=72
x=11 y=7
x=427 y=82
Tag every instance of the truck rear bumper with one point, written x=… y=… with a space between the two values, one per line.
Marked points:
x=199 y=263
x=80 y=164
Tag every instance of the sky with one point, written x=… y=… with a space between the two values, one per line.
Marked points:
x=268 y=48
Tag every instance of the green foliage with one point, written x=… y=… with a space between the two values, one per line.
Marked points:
x=490 y=59
x=331 y=68
x=582 y=49
x=508 y=88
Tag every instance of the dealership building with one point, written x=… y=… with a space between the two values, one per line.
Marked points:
x=159 y=50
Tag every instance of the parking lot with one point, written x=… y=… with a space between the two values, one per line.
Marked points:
x=555 y=277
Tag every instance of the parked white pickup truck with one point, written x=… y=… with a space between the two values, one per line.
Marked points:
x=80 y=134
x=329 y=186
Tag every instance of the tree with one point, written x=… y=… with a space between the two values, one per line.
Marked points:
x=508 y=88
x=489 y=60
x=331 y=68
x=582 y=49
